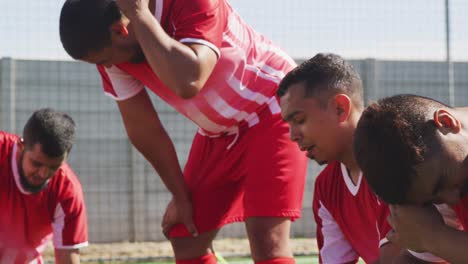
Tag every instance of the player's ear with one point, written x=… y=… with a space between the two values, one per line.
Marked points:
x=342 y=106
x=20 y=144
x=119 y=28
x=446 y=121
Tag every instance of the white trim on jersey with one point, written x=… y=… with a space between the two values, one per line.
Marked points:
x=125 y=86
x=336 y=248
x=202 y=42
x=264 y=46
x=252 y=119
x=383 y=241
x=244 y=92
x=194 y=113
x=45 y=241
x=270 y=71
x=76 y=246
x=223 y=108
x=426 y=256
x=14 y=167
x=449 y=215
x=266 y=72
x=57 y=225
x=158 y=9
x=274 y=106
x=353 y=189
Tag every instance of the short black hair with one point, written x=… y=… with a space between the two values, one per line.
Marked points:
x=325 y=74
x=54 y=130
x=392 y=137
x=85 y=25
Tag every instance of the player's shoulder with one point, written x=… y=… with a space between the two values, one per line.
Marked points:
x=6 y=142
x=195 y=5
x=65 y=182
x=327 y=181
x=6 y=137
x=329 y=173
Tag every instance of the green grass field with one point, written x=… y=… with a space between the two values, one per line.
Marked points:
x=299 y=260
x=245 y=260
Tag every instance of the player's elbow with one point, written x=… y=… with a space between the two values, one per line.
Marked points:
x=189 y=90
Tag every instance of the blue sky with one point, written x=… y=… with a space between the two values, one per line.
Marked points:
x=383 y=29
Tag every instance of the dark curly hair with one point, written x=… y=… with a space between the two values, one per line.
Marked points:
x=392 y=137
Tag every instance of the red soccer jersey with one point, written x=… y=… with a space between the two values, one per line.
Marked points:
x=351 y=220
x=245 y=78
x=28 y=221
x=461 y=209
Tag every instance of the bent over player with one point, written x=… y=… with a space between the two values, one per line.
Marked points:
x=201 y=58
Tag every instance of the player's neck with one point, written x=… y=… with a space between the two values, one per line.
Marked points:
x=351 y=165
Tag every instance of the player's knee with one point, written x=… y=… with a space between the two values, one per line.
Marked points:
x=269 y=237
x=193 y=247
x=205 y=259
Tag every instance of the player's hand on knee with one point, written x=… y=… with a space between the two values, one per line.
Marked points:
x=178 y=212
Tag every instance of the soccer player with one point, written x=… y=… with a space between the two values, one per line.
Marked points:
x=205 y=61
x=322 y=100
x=413 y=151
x=40 y=196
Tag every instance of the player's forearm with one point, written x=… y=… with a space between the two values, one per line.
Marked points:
x=156 y=146
x=67 y=256
x=177 y=65
x=148 y=135
x=449 y=244
x=388 y=253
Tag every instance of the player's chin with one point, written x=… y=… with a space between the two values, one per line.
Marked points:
x=321 y=162
x=36 y=183
x=318 y=160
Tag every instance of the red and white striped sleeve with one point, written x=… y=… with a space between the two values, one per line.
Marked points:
x=202 y=22
x=70 y=229
x=118 y=84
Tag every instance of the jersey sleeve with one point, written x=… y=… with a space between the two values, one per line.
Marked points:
x=332 y=244
x=382 y=224
x=201 y=21
x=6 y=142
x=118 y=84
x=70 y=230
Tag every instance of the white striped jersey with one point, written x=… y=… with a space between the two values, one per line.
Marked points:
x=244 y=80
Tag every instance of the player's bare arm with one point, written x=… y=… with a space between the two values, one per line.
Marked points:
x=183 y=68
x=67 y=256
x=423 y=229
x=147 y=134
x=390 y=253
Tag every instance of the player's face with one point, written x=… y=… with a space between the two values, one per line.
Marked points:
x=442 y=178
x=115 y=54
x=313 y=127
x=36 y=168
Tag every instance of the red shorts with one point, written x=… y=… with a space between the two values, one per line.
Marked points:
x=258 y=173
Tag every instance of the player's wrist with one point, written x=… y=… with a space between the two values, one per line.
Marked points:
x=182 y=195
x=139 y=15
